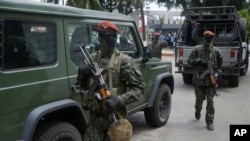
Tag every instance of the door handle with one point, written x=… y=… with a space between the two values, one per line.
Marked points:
x=75 y=88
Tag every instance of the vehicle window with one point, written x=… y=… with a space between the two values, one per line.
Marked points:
x=220 y=30
x=87 y=34
x=28 y=44
x=203 y=28
x=230 y=32
x=79 y=34
x=126 y=41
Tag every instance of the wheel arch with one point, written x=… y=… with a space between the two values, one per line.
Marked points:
x=166 y=78
x=66 y=110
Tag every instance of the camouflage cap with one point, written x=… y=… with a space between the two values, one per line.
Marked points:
x=107 y=26
x=209 y=33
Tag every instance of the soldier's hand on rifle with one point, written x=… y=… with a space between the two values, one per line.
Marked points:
x=84 y=70
x=217 y=74
x=84 y=74
x=202 y=62
x=113 y=103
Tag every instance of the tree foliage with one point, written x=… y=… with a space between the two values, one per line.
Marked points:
x=239 y=4
x=123 y=6
x=109 y=5
x=86 y=4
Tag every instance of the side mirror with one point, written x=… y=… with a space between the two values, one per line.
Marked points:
x=147 y=52
x=144 y=60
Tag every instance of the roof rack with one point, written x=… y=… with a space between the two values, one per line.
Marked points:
x=212 y=13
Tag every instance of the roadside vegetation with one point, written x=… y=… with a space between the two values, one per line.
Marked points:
x=128 y=6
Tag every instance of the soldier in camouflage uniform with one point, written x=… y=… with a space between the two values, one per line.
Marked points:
x=156 y=46
x=203 y=87
x=126 y=86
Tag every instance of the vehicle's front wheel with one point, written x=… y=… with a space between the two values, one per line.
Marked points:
x=57 y=131
x=158 y=114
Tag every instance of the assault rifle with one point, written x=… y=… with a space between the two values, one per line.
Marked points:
x=98 y=83
x=212 y=76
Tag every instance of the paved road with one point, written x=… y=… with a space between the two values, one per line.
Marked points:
x=232 y=107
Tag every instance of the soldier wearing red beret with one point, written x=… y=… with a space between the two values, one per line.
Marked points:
x=156 y=46
x=203 y=85
x=124 y=80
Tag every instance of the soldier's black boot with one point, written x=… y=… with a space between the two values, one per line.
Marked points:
x=197 y=115
x=210 y=126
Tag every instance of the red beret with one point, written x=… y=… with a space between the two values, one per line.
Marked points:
x=157 y=34
x=106 y=26
x=208 y=33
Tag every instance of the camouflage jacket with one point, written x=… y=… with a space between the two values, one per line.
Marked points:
x=156 y=48
x=198 y=53
x=127 y=81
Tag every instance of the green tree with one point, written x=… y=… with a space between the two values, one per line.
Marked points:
x=239 y=4
x=106 y=5
x=161 y=20
x=86 y=4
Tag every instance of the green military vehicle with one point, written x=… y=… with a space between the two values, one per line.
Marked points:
x=39 y=58
x=230 y=38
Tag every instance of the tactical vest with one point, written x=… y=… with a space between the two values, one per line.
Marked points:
x=212 y=56
x=111 y=69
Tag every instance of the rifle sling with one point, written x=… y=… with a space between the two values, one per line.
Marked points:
x=111 y=65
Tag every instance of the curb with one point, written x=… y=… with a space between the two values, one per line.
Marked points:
x=167 y=53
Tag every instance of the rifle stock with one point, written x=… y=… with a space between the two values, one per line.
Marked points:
x=213 y=80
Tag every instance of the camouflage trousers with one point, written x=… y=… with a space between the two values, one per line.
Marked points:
x=203 y=93
x=98 y=127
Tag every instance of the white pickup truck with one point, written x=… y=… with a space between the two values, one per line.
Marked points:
x=230 y=38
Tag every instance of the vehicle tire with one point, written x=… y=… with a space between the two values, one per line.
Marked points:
x=243 y=29
x=233 y=81
x=57 y=131
x=187 y=78
x=243 y=71
x=158 y=114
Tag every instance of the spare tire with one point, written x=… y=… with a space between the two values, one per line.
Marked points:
x=243 y=29
x=243 y=32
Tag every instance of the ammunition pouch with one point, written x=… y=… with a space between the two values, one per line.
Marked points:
x=121 y=130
